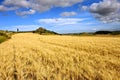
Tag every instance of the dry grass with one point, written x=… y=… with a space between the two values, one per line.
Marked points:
x=30 y=56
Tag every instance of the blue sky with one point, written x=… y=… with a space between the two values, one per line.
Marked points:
x=62 y=16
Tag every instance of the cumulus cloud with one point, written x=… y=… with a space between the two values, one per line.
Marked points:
x=68 y=14
x=24 y=13
x=61 y=21
x=37 y=5
x=44 y=5
x=107 y=10
x=4 y=8
x=56 y=3
x=84 y=8
x=18 y=3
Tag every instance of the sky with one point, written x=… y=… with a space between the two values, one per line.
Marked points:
x=62 y=16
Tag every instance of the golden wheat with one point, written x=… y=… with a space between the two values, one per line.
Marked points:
x=30 y=56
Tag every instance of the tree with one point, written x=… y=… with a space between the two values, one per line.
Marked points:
x=17 y=30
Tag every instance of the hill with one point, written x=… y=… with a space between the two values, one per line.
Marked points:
x=42 y=30
x=95 y=33
x=4 y=35
x=108 y=32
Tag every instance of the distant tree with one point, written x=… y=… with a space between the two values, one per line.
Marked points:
x=17 y=30
x=103 y=32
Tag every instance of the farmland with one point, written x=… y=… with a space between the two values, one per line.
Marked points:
x=28 y=56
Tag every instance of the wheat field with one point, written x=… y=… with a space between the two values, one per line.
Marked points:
x=28 y=56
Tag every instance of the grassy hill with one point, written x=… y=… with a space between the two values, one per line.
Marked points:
x=95 y=33
x=108 y=32
x=44 y=31
x=4 y=35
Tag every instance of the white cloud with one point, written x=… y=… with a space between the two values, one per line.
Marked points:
x=61 y=21
x=84 y=8
x=68 y=14
x=37 y=5
x=23 y=13
x=4 y=8
x=17 y=3
x=107 y=10
x=47 y=4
